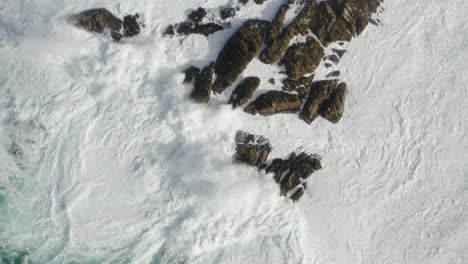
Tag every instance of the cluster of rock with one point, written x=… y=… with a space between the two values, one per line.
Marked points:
x=291 y=174
x=319 y=24
x=194 y=24
x=101 y=20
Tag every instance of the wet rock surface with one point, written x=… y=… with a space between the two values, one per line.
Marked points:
x=239 y=50
x=190 y=74
x=244 y=91
x=251 y=149
x=203 y=83
x=274 y=102
x=17 y=151
x=197 y=15
x=187 y=28
x=101 y=20
x=292 y=173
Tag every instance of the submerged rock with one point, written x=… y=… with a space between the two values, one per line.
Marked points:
x=251 y=149
x=203 y=82
x=187 y=28
x=227 y=12
x=319 y=92
x=17 y=151
x=273 y=102
x=333 y=107
x=131 y=26
x=239 y=50
x=244 y=91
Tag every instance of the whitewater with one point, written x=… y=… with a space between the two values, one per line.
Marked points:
x=119 y=166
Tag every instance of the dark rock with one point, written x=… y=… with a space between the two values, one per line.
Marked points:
x=17 y=151
x=333 y=108
x=333 y=58
x=294 y=171
x=259 y=2
x=278 y=46
x=99 y=20
x=272 y=81
x=339 y=52
x=197 y=15
x=239 y=50
x=190 y=74
x=251 y=149
x=301 y=85
x=131 y=27
x=244 y=91
x=187 y=28
x=227 y=12
x=243 y=1
x=203 y=84
x=276 y=27
x=273 y=102
x=298 y=194
x=302 y=58
x=328 y=65
x=319 y=92
x=333 y=74
x=169 y=30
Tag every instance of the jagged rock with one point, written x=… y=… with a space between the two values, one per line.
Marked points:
x=203 y=84
x=187 y=28
x=333 y=74
x=339 y=52
x=294 y=171
x=239 y=50
x=302 y=58
x=17 y=151
x=333 y=58
x=244 y=91
x=251 y=149
x=278 y=46
x=190 y=74
x=99 y=20
x=276 y=26
x=169 y=31
x=197 y=15
x=273 y=102
x=227 y=12
x=333 y=108
x=319 y=92
x=301 y=85
x=131 y=27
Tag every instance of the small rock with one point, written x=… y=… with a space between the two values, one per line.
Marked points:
x=197 y=15
x=17 y=151
x=131 y=27
x=333 y=74
x=244 y=91
x=190 y=74
x=187 y=28
x=333 y=58
x=302 y=58
x=333 y=108
x=98 y=20
x=227 y=12
x=272 y=81
x=169 y=30
x=301 y=85
x=251 y=149
x=319 y=92
x=339 y=52
x=328 y=65
x=273 y=102
x=203 y=83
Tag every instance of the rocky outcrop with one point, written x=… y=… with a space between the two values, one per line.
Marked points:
x=300 y=85
x=274 y=102
x=333 y=107
x=227 y=12
x=276 y=27
x=188 y=28
x=101 y=20
x=239 y=50
x=319 y=92
x=291 y=174
x=244 y=91
x=302 y=58
x=278 y=46
x=197 y=15
x=251 y=149
x=190 y=74
x=203 y=83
